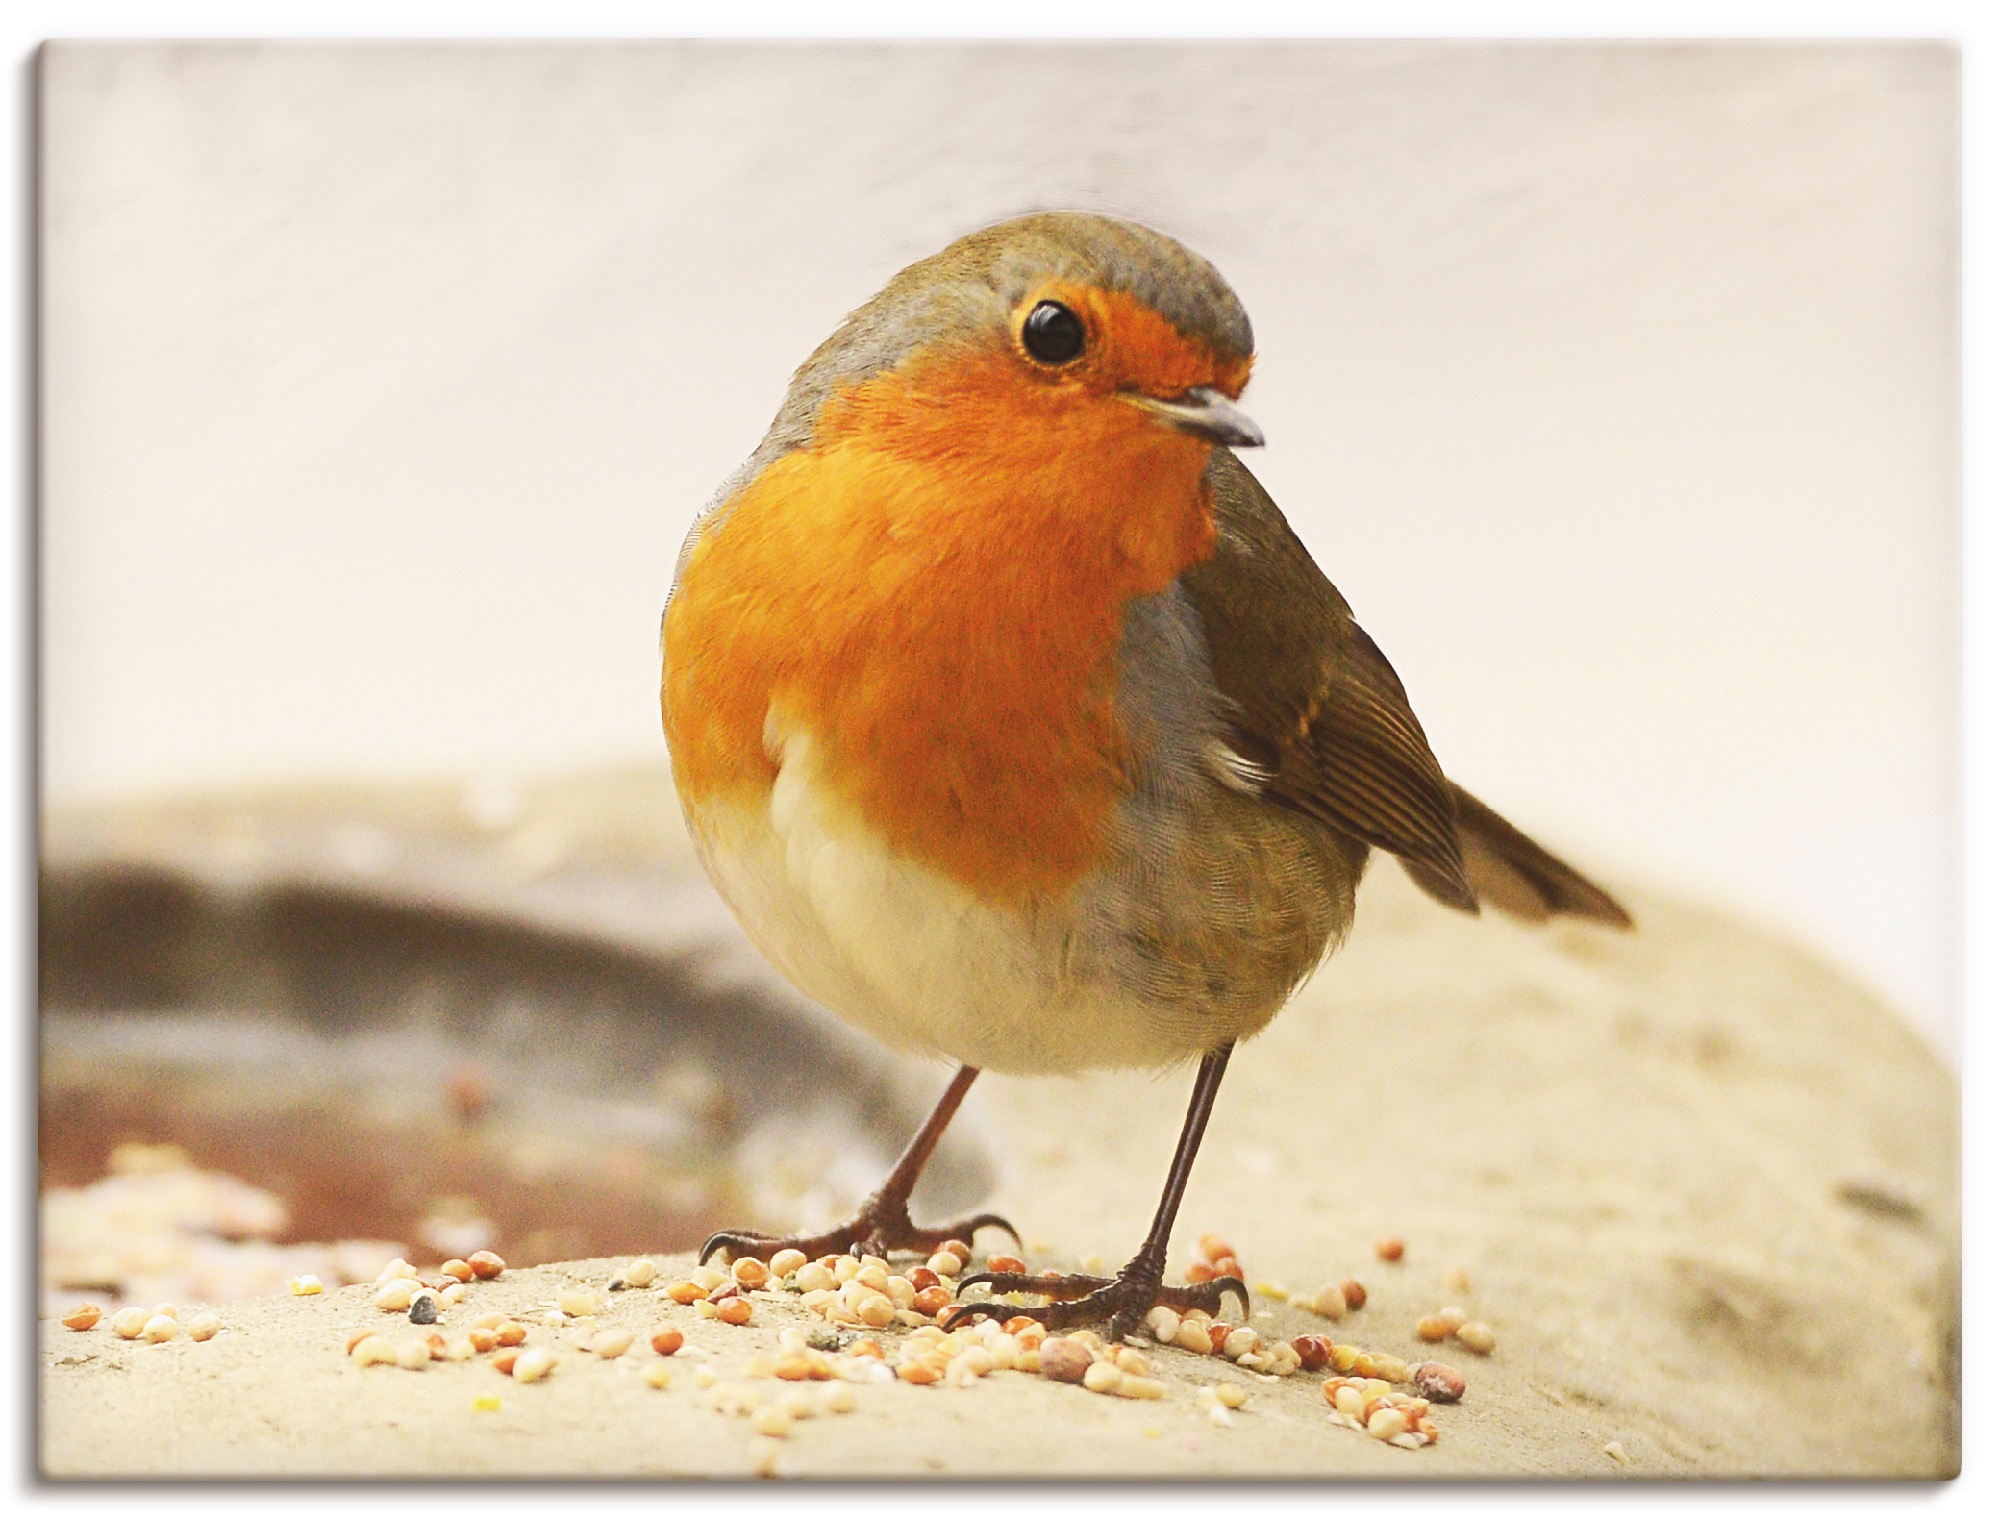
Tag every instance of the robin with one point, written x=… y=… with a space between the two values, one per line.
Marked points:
x=1016 y=725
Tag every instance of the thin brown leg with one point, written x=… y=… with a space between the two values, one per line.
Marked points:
x=1125 y=1298
x=882 y=1223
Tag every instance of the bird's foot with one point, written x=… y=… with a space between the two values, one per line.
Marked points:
x=1120 y=1302
x=879 y=1226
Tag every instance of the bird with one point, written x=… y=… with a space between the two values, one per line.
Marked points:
x=1016 y=725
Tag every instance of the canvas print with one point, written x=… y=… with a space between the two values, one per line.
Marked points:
x=1141 y=760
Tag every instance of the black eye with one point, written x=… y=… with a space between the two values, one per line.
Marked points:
x=1052 y=333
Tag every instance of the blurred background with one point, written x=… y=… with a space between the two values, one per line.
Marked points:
x=1615 y=385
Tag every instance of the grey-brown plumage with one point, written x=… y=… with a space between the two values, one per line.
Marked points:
x=1315 y=707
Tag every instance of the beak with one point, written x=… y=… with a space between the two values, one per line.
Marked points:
x=1204 y=412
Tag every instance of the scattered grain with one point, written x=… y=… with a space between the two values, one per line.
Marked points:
x=160 y=1328
x=735 y=1310
x=1477 y=1337
x=773 y=1420
x=374 y=1350
x=609 y=1344
x=1386 y=1422
x=1065 y=1359
x=1101 y=1376
x=1438 y=1382
x=1355 y=1293
x=485 y=1264
x=945 y=1264
x=534 y=1363
x=82 y=1316
x=813 y=1277
x=931 y=1300
x=1313 y=1351
x=414 y=1353
x=306 y=1286
x=1193 y=1335
x=457 y=1270
x=204 y=1326
x=395 y=1295
x=1330 y=1302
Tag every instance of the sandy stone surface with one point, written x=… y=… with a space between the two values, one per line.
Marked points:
x=1704 y=1190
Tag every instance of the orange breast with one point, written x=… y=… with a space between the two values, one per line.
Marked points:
x=936 y=590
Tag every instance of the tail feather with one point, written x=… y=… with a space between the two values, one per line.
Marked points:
x=1505 y=867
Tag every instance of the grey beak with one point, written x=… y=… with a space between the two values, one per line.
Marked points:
x=1206 y=413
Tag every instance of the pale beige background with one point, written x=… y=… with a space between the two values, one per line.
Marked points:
x=1615 y=385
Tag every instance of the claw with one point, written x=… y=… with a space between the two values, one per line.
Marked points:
x=1234 y=1284
x=965 y=1313
x=733 y=1240
x=875 y=1230
x=1059 y=1288
x=1076 y=1299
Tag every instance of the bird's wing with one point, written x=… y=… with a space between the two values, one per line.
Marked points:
x=1311 y=701
x=1320 y=720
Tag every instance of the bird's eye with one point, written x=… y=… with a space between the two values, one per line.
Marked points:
x=1052 y=334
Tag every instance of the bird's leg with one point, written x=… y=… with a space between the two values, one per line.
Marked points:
x=1126 y=1298
x=882 y=1223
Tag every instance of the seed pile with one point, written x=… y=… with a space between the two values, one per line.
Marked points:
x=878 y=1326
x=865 y=1294
x=848 y=1292
x=1371 y=1405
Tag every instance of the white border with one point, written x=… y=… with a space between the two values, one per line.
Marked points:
x=29 y=21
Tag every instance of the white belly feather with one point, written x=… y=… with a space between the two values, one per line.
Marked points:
x=912 y=958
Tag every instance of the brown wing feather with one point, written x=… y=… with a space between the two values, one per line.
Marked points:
x=1319 y=711
x=1319 y=708
x=1517 y=875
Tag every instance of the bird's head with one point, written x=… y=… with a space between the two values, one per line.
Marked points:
x=1031 y=341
